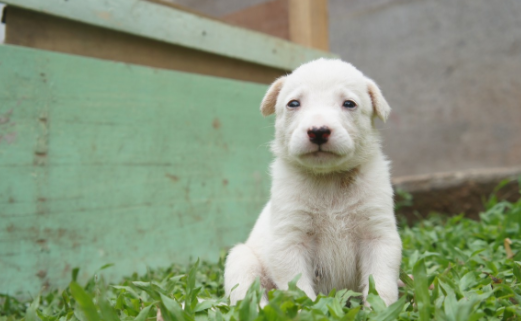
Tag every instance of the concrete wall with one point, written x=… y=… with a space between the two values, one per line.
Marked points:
x=451 y=71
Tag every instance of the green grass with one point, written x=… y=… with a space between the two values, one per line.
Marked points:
x=461 y=268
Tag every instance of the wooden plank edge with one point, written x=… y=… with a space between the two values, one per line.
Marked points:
x=159 y=22
x=34 y=29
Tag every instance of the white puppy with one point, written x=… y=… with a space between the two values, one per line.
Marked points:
x=330 y=217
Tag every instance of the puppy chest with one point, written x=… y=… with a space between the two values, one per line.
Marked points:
x=335 y=253
x=331 y=223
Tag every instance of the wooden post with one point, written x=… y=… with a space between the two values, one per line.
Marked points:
x=301 y=21
x=309 y=23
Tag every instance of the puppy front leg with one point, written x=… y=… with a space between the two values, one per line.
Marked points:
x=288 y=258
x=381 y=257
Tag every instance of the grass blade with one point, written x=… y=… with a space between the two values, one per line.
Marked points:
x=421 y=291
x=84 y=302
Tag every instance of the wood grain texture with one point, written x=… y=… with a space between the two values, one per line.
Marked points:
x=309 y=23
x=39 y=30
x=305 y=22
x=107 y=162
x=271 y=17
x=163 y=23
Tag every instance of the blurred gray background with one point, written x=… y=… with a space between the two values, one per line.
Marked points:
x=451 y=71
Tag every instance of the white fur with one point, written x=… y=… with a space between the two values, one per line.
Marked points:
x=330 y=217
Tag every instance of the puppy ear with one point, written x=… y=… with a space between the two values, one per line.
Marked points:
x=380 y=106
x=270 y=99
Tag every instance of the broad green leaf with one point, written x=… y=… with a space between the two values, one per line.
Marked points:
x=451 y=306
x=376 y=302
x=192 y=276
x=248 y=309
x=171 y=309
x=75 y=272
x=150 y=288
x=143 y=314
x=127 y=289
x=84 y=302
x=292 y=285
x=406 y=279
x=414 y=258
x=467 y=280
x=107 y=311
x=421 y=291
x=106 y=266
x=205 y=305
x=351 y=315
x=372 y=286
x=322 y=304
x=517 y=270
x=392 y=312
x=477 y=252
x=31 y=314
x=177 y=278
x=191 y=295
x=344 y=295
x=335 y=309
x=66 y=299
x=120 y=302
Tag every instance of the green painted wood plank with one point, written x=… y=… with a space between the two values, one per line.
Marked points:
x=114 y=163
x=167 y=24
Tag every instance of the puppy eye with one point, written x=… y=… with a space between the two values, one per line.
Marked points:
x=294 y=104
x=349 y=104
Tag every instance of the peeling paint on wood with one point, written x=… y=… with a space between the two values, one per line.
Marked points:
x=115 y=163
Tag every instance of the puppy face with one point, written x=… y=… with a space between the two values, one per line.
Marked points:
x=325 y=112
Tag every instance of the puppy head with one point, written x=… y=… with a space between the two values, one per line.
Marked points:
x=324 y=116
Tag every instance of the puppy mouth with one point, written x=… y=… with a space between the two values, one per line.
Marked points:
x=320 y=153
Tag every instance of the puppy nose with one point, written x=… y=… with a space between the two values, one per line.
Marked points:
x=319 y=135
